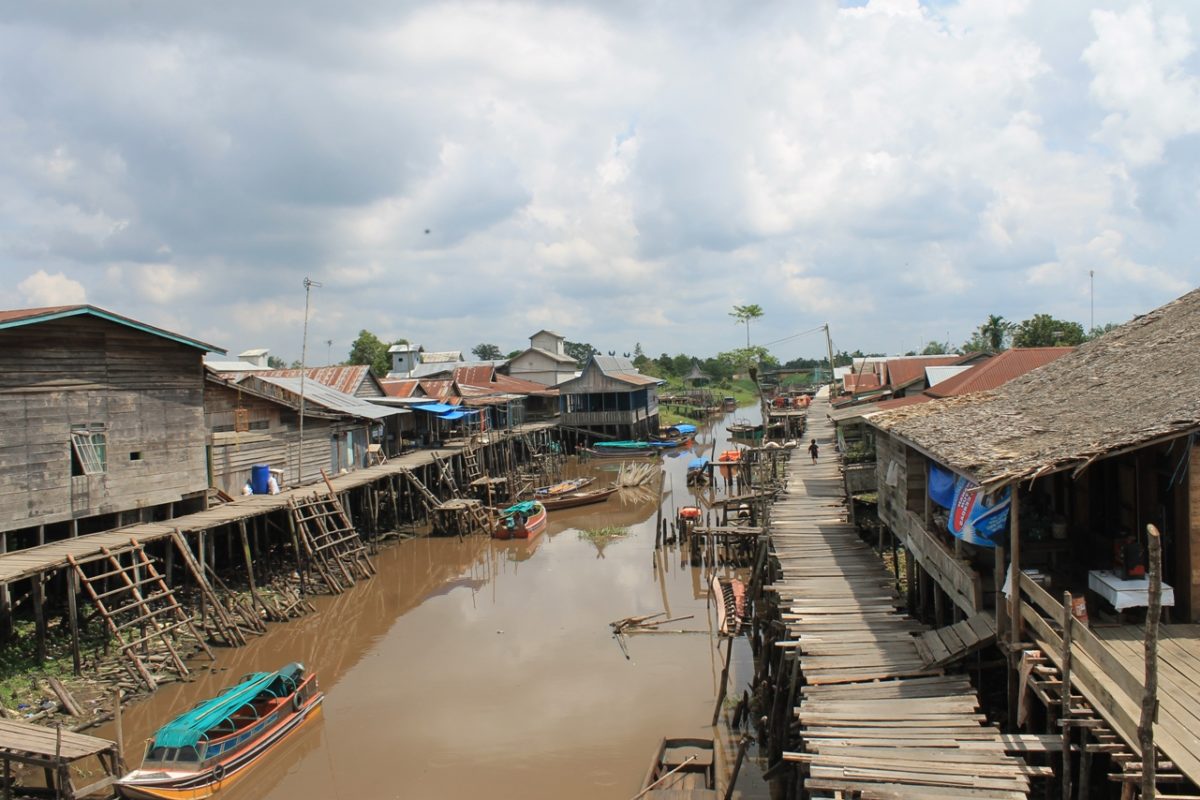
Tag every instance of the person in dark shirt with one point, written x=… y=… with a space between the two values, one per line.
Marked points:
x=814 y=451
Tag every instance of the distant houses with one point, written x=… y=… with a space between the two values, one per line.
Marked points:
x=611 y=397
x=545 y=361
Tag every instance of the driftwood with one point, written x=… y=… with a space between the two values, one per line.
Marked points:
x=65 y=697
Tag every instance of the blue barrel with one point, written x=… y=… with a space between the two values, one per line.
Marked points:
x=260 y=476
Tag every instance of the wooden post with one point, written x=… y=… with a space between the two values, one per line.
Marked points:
x=39 y=616
x=724 y=679
x=73 y=612
x=58 y=787
x=998 y=579
x=1068 y=623
x=1014 y=604
x=1150 y=697
x=117 y=729
x=246 y=553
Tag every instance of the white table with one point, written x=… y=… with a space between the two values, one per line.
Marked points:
x=1123 y=593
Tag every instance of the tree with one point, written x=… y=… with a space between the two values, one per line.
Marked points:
x=580 y=351
x=990 y=337
x=1043 y=330
x=743 y=314
x=486 y=352
x=640 y=359
x=275 y=362
x=937 y=349
x=514 y=354
x=369 y=349
x=1100 y=330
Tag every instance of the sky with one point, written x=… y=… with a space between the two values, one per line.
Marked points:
x=620 y=171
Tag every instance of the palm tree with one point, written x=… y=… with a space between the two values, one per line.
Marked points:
x=995 y=332
x=743 y=314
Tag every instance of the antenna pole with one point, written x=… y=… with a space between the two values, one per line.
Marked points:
x=829 y=347
x=308 y=284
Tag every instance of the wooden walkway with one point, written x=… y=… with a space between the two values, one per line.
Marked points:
x=21 y=564
x=877 y=719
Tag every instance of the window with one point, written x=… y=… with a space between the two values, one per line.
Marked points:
x=136 y=455
x=89 y=450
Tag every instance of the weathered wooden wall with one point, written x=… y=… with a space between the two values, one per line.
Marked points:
x=146 y=390
x=1193 y=533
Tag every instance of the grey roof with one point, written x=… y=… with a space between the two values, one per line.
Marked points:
x=442 y=356
x=406 y=347
x=253 y=352
x=622 y=369
x=332 y=399
x=935 y=375
x=560 y=357
x=555 y=334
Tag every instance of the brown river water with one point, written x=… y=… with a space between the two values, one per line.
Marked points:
x=485 y=668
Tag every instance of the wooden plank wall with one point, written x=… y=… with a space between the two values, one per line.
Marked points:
x=1193 y=538
x=146 y=390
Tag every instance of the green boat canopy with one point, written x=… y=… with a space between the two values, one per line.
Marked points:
x=189 y=728
x=525 y=507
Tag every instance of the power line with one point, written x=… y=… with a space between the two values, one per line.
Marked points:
x=795 y=336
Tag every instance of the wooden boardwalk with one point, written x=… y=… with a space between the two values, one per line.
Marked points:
x=877 y=719
x=21 y=564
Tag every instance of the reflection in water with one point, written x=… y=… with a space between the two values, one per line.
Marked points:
x=472 y=667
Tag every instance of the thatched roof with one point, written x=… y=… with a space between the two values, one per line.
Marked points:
x=1135 y=385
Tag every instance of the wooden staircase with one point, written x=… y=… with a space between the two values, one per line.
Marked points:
x=331 y=544
x=139 y=611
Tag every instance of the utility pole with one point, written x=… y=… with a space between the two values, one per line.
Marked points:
x=308 y=284
x=829 y=347
x=1092 y=280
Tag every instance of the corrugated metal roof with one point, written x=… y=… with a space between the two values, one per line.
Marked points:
x=904 y=371
x=31 y=316
x=622 y=369
x=322 y=395
x=406 y=347
x=998 y=370
x=935 y=375
x=442 y=357
x=346 y=378
x=403 y=387
x=562 y=358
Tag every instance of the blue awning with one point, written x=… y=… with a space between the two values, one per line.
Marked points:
x=457 y=414
x=435 y=408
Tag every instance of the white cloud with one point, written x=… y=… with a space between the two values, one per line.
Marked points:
x=43 y=289
x=164 y=283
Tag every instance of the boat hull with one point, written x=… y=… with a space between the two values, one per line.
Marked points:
x=578 y=499
x=148 y=785
x=533 y=526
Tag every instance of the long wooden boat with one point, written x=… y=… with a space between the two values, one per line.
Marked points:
x=674 y=436
x=576 y=499
x=215 y=744
x=682 y=768
x=563 y=487
x=627 y=452
x=524 y=520
x=730 y=597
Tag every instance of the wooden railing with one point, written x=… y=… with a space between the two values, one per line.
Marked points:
x=955 y=576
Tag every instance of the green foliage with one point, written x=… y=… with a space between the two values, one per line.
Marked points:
x=937 y=349
x=369 y=349
x=605 y=533
x=858 y=453
x=743 y=315
x=744 y=357
x=580 y=351
x=514 y=354
x=486 y=352
x=275 y=362
x=992 y=336
x=1100 y=330
x=1043 y=330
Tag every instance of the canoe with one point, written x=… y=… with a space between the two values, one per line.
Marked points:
x=681 y=768
x=563 y=487
x=729 y=595
x=615 y=452
x=524 y=520
x=215 y=744
x=575 y=499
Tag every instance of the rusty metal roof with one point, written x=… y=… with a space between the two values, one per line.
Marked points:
x=347 y=379
x=402 y=387
x=997 y=370
x=902 y=372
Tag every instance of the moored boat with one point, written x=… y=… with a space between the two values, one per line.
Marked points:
x=562 y=487
x=621 y=452
x=730 y=403
x=575 y=499
x=523 y=520
x=674 y=436
x=681 y=768
x=213 y=745
x=697 y=471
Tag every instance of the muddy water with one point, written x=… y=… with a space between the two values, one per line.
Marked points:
x=486 y=668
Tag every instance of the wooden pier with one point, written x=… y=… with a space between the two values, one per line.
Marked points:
x=878 y=718
x=55 y=752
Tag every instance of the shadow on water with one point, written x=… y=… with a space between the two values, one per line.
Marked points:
x=477 y=667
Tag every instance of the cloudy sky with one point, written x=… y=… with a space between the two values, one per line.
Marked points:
x=621 y=171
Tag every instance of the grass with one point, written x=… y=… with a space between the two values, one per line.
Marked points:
x=19 y=670
x=605 y=533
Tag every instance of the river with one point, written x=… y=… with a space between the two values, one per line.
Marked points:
x=486 y=668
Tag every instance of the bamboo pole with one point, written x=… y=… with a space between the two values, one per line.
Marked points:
x=1150 y=697
x=1065 y=713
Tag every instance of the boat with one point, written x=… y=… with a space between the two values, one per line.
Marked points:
x=674 y=436
x=575 y=499
x=727 y=460
x=216 y=743
x=621 y=452
x=523 y=520
x=697 y=471
x=730 y=597
x=681 y=768
x=563 y=487
x=746 y=432
x=730 y=403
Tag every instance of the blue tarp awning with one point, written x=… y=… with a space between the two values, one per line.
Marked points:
x=456 y=414
x=435 y=408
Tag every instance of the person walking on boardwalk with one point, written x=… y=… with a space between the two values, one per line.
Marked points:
x=814 y=451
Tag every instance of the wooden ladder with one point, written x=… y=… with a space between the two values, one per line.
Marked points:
x=471 y=461
x=134 y=610
x=430 y=500
x=331 y=544
x=447 y=476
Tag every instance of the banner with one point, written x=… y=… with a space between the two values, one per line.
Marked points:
x=941 y=485
x=977 y=518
